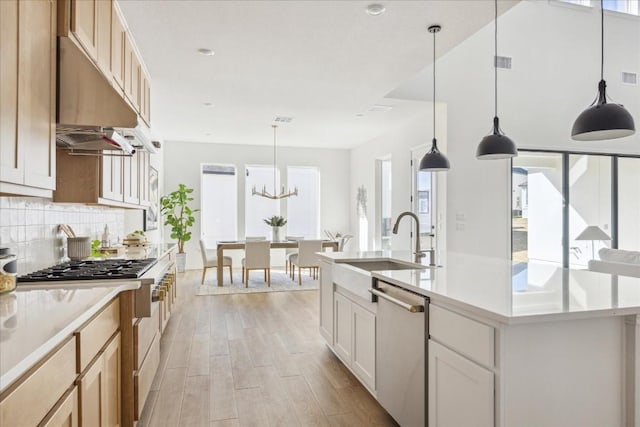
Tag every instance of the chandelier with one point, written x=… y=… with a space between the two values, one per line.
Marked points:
x=264 y=192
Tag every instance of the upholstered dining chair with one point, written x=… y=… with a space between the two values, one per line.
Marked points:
x=306 y=258
x=257 y=257
x=289 y=252
x=210 y=260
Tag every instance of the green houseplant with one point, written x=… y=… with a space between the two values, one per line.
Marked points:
x=276 y=221
x=180 y=217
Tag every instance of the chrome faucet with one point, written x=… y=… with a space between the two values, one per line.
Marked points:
x=418 y=253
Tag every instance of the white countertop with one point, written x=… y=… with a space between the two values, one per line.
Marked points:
x=510 y=292
x=34 y=320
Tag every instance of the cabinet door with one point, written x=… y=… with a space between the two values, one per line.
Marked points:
x=92 y=386
x=127 y=65
x=10 y=163
x=134 y=96
x=342 y=327
x=104 y=12
x=326 y=302
x=143 y=176
x=111 y=179
x=131 y=190
x=84 y=24
x=117 y=47
x=460 y=391
x=66 y=413
x=37 y=92
x=111 y=404
x=364 y=345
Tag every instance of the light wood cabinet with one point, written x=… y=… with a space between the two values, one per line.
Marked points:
x=65 y=413
x=131 y=188
x=84 y=24
x=99 y=388
x=144 y=164
x=145 y=97
x=112 y=186
x=460 y=391
x=27 y=97
x=104 y=26
x=131 y=74
x=117 y=47
x=326 y=302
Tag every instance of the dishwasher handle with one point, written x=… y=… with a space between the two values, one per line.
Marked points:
x=409 y=307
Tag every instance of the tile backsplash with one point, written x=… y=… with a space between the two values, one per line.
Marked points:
x=29 y=226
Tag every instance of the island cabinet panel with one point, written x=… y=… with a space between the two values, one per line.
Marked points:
x=342 y=327
x=27 y=97
x=93 y=336
x=326 y=302
x=99 y=388
x=364 y=345
x=460 y=391
x=65 y=413
x=37 y=393
x=144 y=376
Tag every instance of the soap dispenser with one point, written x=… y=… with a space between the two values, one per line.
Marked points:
x=106 y=239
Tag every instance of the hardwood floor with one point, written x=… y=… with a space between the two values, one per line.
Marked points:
x=252 y=360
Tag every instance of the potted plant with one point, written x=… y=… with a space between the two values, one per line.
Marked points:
x=275 y=222
x=178 y=215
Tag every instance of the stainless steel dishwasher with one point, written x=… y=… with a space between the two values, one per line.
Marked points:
x=401 y=352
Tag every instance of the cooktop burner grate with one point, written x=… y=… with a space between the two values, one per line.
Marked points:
x=91 y=270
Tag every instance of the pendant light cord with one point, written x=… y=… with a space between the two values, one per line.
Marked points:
x=601 y=39
x=434 y=85
x=495 y=60
x=275 y=189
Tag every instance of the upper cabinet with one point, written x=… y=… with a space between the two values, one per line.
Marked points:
x=27 y=97
x=84 y=24
x=117 y=48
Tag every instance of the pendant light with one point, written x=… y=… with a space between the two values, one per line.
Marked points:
x=496 y=145
x=264 y=192
x=434 y=160
x=602 y=120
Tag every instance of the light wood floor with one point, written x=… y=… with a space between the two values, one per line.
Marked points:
x=253 y=360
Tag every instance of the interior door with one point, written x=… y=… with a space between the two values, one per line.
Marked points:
x=427 y=202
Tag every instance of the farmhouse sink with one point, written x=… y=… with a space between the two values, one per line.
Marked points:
x=384 y=265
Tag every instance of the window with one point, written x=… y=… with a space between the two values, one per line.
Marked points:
x=623 y=6
x=303 y=210
x=219 y=203
x=384 y=215
x=258 y=208
x=629 y=204
x=578 y=2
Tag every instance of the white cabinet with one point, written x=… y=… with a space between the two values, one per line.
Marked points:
x=342 y=327
x=326 y=302
x=355 y=338
x=363 y=361
x=460 y=391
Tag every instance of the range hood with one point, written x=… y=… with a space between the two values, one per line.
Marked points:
x=92 y=115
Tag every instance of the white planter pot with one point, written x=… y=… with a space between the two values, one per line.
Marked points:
x=275 y=231
x=181 y=261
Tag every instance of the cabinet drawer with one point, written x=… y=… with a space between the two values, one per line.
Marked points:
x=466 y=336
x=144 y=377
x=144 y=331
x=31 y=400
x=94 y=335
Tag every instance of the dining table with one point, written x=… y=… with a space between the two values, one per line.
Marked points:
x=223 y=245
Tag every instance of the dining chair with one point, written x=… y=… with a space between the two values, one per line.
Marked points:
x=257 y=257
x=212 y=261
x=290 y=252
x=306 y=258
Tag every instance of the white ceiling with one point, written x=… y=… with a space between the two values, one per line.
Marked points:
x=321 y=62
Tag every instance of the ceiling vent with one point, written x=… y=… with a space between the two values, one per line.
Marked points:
x=503 y=62
x=630 y=78
x=283 y=119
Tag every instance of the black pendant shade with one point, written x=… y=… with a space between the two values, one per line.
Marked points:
x=434 y=160
x=497 y=145
x=603 y=120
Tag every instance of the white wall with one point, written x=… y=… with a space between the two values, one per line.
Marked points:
x=182 y=162
x=555 y=50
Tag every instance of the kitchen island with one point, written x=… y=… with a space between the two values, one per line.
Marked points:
x=507 y=343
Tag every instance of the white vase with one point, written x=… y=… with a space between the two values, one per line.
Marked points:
x=275 y=234
x=181 y=261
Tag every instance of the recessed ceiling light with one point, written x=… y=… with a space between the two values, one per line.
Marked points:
x=206 y=52
x=283 y=119
x=379 y=107
x=359 y=115
x=207 y=134
x=375 y=9
x=208 y=104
